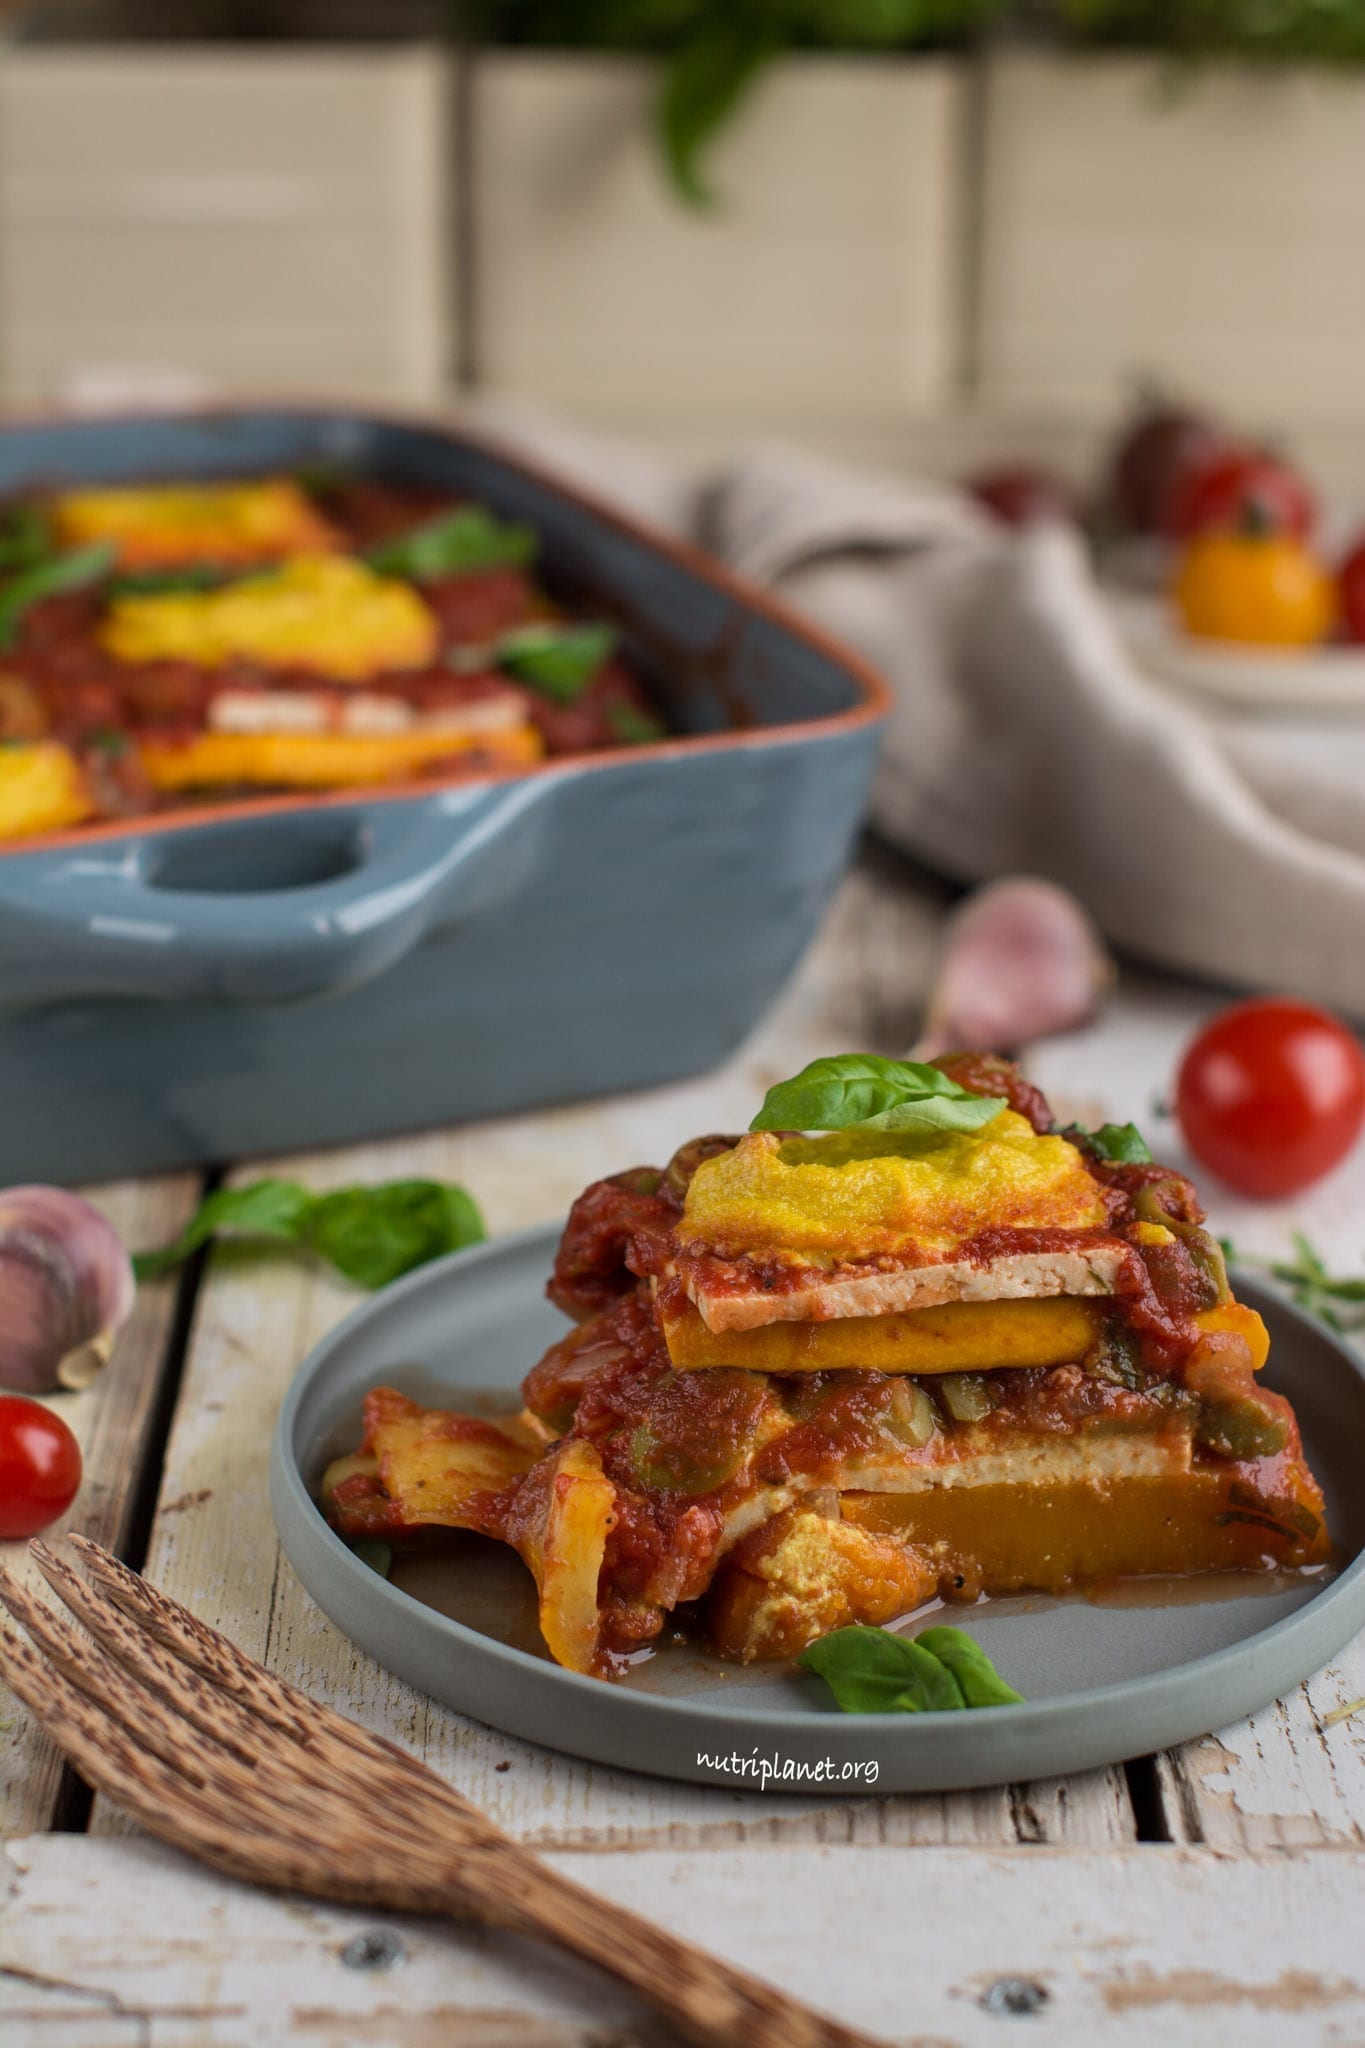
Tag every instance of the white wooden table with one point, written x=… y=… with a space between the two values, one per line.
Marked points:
x=1212 y=1895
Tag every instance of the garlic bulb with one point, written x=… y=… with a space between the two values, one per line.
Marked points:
x=66 y=1289
x=1021 y=960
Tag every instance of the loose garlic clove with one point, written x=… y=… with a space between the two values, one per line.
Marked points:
x=1021 y=960
x=66 y=1289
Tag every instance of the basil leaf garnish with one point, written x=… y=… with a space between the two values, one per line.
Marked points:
x=872 y=1671
x=859 y=1091
x=978 y=1680
x=184 y=576
x=25 y=536
x=633 y=728
x=46 y=578
x=455 y=544
x=1124 y=1144
x=559 y=661
x=371 y=1234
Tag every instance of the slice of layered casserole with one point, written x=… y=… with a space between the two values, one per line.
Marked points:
x=919 y=1345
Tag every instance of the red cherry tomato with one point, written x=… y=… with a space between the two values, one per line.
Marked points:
x=40 y=1466
x=1020 y=496
x=1351 y=589
x=1156 y=448
x=1271 y=1095
x=1217 y=493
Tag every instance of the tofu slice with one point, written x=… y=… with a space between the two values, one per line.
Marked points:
x=1084 y=1270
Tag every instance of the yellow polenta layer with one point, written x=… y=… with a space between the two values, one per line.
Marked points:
x=42 y=789
x=324 y=760
x=156 y=525
x=961 y=1336
x=840 y=1197
x=326 y=613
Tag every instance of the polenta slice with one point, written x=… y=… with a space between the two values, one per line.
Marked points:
x=328 y=614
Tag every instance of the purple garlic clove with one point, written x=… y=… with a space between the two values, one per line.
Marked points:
x=1021 y=960
x=66 y=1289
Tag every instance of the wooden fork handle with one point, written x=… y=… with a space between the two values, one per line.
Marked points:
x=708 y=2001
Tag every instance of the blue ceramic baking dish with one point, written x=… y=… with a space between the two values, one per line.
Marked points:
x=286 y=973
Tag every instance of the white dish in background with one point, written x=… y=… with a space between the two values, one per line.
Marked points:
x=1284 y=679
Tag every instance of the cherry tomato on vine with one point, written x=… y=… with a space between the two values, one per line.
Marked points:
x=1351 y=591
x=1271 y=1095
x=40 y=1466
x=1155 y=449
x=1214 y=495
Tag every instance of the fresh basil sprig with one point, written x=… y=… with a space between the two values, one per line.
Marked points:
x=859 y=1091
x=1340 y=1303
x=872 y=1671
x=54 y=573
x=371 y=1234
x=1123 y=1144
x=559 y=661
x=455 y=544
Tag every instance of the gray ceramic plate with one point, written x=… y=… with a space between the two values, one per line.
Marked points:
x=1102 y=1682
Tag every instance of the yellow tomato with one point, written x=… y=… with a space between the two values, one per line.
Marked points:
x=1266 y=589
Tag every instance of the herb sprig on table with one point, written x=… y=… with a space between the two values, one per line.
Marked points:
x=1340 y=1303
x=873 y=1671
x=370 y=1234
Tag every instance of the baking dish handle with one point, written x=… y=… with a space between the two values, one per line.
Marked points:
x=261 y=910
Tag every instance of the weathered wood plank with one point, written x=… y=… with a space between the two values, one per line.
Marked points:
x=106 y=1943
x=110 y=1420
x=258 y=1317
x=1288 y=1776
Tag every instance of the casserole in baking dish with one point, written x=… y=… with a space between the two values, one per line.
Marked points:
x=279 y=969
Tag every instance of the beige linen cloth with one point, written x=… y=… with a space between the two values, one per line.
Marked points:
x=1023 y=736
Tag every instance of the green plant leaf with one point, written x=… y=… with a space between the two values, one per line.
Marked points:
x=25 y=536
x=873 y=1671
x=1122 y=1143
x=374 y=1234
x=559 y=661
x=266 y=1208
x=701 y=86
x=633 y=728
x=371 y=1234
x=184 y=576
x=55 y=573
x=978 y=1680
x=859 y=1091
x=1337 y=1302
x=455 y=544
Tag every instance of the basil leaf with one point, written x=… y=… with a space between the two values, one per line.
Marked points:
x=1123 y=1143
x=859 y=1091
x=871 y=1671
x=156 y=582
x=267 y=1208
x=633 y=728
x=378 y=1556
x=559 y=661
x=25 y=536
x=46 y=578
x=978 y=1680
x=457 y=543
x=370 y=1234
x=374 y=1234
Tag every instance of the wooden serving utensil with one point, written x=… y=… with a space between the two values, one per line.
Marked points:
x=216 y=1755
